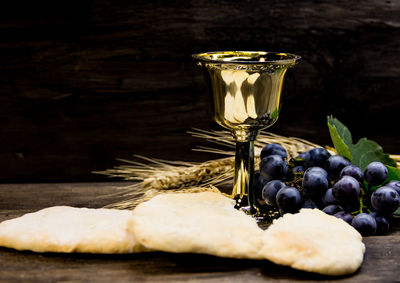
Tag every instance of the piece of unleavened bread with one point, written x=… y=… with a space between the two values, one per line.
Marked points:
x=314 y=241
x=203 y=222
x=207 y=223
x=68 y=229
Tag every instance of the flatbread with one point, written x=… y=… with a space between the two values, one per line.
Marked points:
x=207 y=223
x=203 y=222
x=314 y=241
x=68 y=229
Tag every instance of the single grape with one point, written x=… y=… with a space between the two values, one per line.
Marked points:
x=315 y=182
x=335 y=164
x=353 y=171
x=258 y=185
x=273 y=167
x=344 y=216
x=308 y=204
x=273 y=149
x=298 y=169
x=270 y=190
x=332 y=209
x=375 y=173
x=365 y=224
x=301 y=156
x=328 y=198
x=394 y=185
x=385 y=200
x=347 y=189
x=288 y=200
x=316 y=157
x=318 y=170
x=382 y=224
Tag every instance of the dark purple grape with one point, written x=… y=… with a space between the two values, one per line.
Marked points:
x=315 y=182
x=318 y=170
x=273 y=167
x=334 y=166
x=301 y=156
x=308 y=204
x=258 y=185
x=316 y=157
x=288 y=200
x=395 y=185
x=332 y=209
x=382 y=224
x=353 y=171
x=347 y=189
x=344 y=216
x=298 y=169
x=273 y=149
x=365 y=224
x=270 y=190
x=385 y=200
x=328 y=198
x=376 y=173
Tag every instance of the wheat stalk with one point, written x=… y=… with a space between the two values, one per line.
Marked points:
x=160 y=176
x=157 y=176
x=292 y=145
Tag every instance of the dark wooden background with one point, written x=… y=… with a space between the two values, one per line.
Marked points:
x=85 y=82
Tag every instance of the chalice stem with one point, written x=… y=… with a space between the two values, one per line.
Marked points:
x=244 y=175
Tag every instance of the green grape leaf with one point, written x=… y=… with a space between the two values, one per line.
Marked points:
x=393 y=174
x=338 y=139
x=366 y=151
x=360 y=154
x=341 y=148
x=342 y=130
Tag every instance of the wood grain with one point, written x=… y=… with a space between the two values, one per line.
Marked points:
x=83 y=83
x=381 y=262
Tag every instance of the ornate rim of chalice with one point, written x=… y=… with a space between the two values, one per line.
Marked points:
x=246 y=57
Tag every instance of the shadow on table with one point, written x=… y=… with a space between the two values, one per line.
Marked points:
x=156 y=266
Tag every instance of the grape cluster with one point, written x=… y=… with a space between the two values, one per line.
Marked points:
x=317 y=179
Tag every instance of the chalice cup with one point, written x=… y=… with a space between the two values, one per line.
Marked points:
x=245 y=87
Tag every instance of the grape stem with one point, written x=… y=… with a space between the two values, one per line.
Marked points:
x=363 y=208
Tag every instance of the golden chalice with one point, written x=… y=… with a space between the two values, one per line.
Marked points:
x=246 y=87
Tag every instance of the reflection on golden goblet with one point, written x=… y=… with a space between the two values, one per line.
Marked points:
x=246 y=87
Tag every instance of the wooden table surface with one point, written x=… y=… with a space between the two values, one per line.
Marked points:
x=381 y=262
